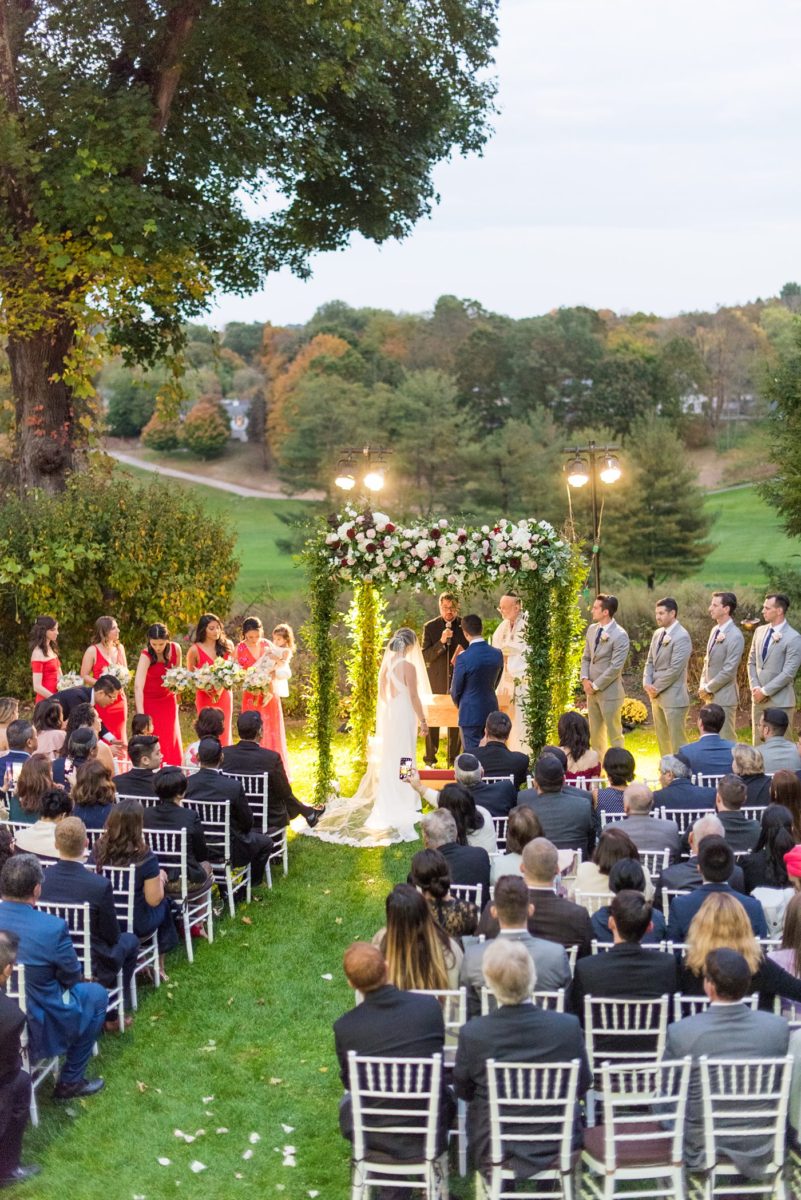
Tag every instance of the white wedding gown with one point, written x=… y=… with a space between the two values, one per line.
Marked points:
x=384 y=808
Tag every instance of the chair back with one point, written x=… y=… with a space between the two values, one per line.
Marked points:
x=474 y=892
x=602 y=947
x=707 y=781
x=624 y=1031
x=644 y=1107
x=255 y=787
x=169 y=847
x=395 y=1096
x=745 y=1102
x=685 y=818
x=497 y=779
x=500 y=832
x=454 y=1012
x=78 y=924
x=215 y=817
x=572 y=957
x=123 y=884
x=667 y=896
x=753 y=812
x=145 y=801
x=690 y=1006
x=552 y=1001
x=532 y=1105
x=592 y=901
x=655 y=861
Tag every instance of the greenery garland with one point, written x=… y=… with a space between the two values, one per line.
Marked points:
x=565 y=639
x=322 y=690
x=368 y=631
x=534 y=595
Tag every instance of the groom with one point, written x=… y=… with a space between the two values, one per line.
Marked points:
x=476 y=673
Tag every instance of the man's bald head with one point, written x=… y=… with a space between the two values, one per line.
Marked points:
x=638 y=799
x=365 y=968
x=540 y=862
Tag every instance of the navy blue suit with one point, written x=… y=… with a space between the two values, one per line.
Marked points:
x=710 y=755
x=681 y=793
x=65 y=1015
x=684 y=908
x=476 y=673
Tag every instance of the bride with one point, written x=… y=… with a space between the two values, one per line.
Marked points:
x=385 y=807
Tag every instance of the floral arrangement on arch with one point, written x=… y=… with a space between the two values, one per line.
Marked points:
x=366 y=545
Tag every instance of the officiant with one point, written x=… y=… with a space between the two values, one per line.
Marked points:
x=442 y=637
x=510 y=639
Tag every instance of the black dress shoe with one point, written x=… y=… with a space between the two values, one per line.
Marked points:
x=314 y=816
x=19 y=1175
x=83 y=1087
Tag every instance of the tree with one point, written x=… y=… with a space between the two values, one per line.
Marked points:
x=244 y=339
x=783 y=390
x=131 y=399
x=134 y=137
x=206 y=429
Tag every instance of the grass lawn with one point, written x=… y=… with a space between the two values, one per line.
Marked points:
x=745 y=531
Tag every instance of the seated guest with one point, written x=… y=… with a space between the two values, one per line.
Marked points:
x=785 y=789
x=497 y=799
x=141 y=726
x=82 y=721
x=65 y=1015
x=35 y=778
x=522 y=827
x=748 y=763
x=248 y=757
x=390 y=1023
x=511 y=907
x=49 y=722
x=648 y=832
x=564 y=813
x=715 y=863
x=627 y=875
x=619 y=770
x=677 y=790
x=248 y=845
x=144 y=752
x=685 y=876
x=626 y=972
x=7 y=844
x=170 y=813
x=22 y=743
x=778 y=752
x=764 y=867
x=554 y=918
x=788 y=956
x=467 y=864
x=15 y=1084
x=740 y=831
x=474 y=825
x=105 y=691
x=122 y=844
x=210 y=722
x=573 y=732
x=40 y=838
x=495 y=756
x=430 y=875
x=419 y=954
x=9 y=711
x=517 y=1031
x=711 y=754
x=614 y=844
x=93 y=794
x=67 y=881
x=727 y=1028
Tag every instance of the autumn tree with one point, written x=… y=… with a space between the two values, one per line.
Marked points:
x=135 y=138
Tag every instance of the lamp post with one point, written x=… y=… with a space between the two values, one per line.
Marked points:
x=583 y=468
x=374 y=462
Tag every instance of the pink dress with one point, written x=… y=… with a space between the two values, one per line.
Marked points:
x=224 y=701
x=162 y=708
x=114 y=716
x=273 y=735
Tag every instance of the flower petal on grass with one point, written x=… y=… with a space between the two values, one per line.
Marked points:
x=247 y=1154
x=197 y=1166
x=328 y=975
x=253 y=1138
x=287 y=1128
x=164 y=1162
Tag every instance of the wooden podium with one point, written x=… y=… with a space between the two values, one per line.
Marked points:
x=443 y=712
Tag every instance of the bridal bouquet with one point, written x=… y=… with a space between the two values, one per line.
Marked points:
x=221 y=675
x=179 y=680
x=259 y=678
x=117 y=671
x=70 y=679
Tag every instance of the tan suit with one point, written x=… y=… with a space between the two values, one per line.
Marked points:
x=666 y=670
x=773 y=664
x=606 y=649
x=724 y=650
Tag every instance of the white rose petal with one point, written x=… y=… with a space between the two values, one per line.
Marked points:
x=221 y=1129
x=253 y=1138
x=164 y=1162
x=247 y=1154
x=327 y=976
x=287 y=1128
x=197 y=1166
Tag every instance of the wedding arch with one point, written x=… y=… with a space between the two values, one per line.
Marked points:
x=365 y=550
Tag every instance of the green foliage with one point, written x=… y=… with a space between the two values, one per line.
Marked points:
x=206 y=429
x=131 y=400
x=322 y=698
x=145 y=553
x=565 y=639
x=368 y=630
x=245 y=339
x=783 y=389
x=162 y=433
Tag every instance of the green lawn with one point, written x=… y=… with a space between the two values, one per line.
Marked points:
x=745 y=530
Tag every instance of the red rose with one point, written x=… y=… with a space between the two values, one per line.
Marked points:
x=435 y=534
x=389 y=527
x=428 y=562
x=496 y=529
x=462 y=538
x=370 y=547
x=335 y=545
x=351 y=533
x=515 y=564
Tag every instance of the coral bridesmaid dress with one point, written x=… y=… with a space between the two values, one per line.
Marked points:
x=225 y=701
x=162 y=708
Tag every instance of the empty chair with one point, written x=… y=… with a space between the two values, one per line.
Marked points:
x=592 y=901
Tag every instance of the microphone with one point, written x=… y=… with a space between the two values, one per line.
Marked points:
x=448 y=624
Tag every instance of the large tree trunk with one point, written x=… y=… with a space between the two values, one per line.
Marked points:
x=44 y=408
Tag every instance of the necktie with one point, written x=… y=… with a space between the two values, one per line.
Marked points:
x=713 y=638
x=661 y=640
x=766 y=644
x=598 y=638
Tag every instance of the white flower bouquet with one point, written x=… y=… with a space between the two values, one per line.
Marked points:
x=179 y=680
x=70 y=679
x=259 y=678
x=221 y=675
x=117 y=671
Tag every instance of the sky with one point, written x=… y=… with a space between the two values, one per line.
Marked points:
x=646 y=156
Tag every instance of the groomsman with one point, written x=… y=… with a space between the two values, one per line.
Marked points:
x=606 y=649
x=773 y=664
x=723 y=653
x=441 y=639
x=665 y=677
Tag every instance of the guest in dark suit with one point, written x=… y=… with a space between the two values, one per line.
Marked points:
x=498 y=798
x=565 y=813
x=248 y=845
x=678 y=792
x=715 y=863
x=475 y=677
x=646 y=831
x=170 y=784
x=442 y=637
x=105 y=692
x=748 y=763
x=22 y=743
x=389 y=1023
x=495 y=756
x=65 y=1015
x=248 y=757
x=68 y=882
x=467 y=864
x=517 y=1031
x=554 y=918
x=627 y=971
x=711 y=754
x=684 y=876
x=144 y=751
x=15 y=1084
x=741 y=832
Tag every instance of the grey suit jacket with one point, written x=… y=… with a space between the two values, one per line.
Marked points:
x=604 y=666
x=779 y=754
x=651 y=833
x=549 y=958
x=775 y=676
x=719 y=673
x=724 y=1031
x=666 y=665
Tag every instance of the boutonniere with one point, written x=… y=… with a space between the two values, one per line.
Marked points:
x=666 y=640
x=777 y=637
x=721 y=638
x=604 y=637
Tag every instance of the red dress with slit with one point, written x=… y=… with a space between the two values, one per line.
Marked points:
x=115 y=715
x=224 y=701
x=161 y=706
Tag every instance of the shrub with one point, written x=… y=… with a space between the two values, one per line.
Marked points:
x=206 y=429
x=162 y=433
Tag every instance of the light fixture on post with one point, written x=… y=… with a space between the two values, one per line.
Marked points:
x=374 y=467
x=585 y=465
x=345 y=478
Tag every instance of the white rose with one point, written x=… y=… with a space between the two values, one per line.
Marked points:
x=443 y=524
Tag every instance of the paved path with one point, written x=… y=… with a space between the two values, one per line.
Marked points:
x=236 y=489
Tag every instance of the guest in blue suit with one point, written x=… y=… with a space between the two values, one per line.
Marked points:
x=711 y=754
x=715 y=864
x=65 y=1015
x=476 y=674
x=677 y=790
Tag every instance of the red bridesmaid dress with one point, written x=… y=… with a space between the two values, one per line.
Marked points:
x=162 y=708
x=273 y=736
x=225 y=700
x=50 y=670
x=114 y=716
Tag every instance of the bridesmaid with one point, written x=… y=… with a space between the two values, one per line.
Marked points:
x=251 y=649
x=153 y=699
x=45 y=663
x=284 y=648
x=107 y=650
x=210 y=643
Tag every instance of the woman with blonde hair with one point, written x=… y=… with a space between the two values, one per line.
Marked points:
x=419 y=954
x=720 y=922
x=9 y=711
x=748 y=763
